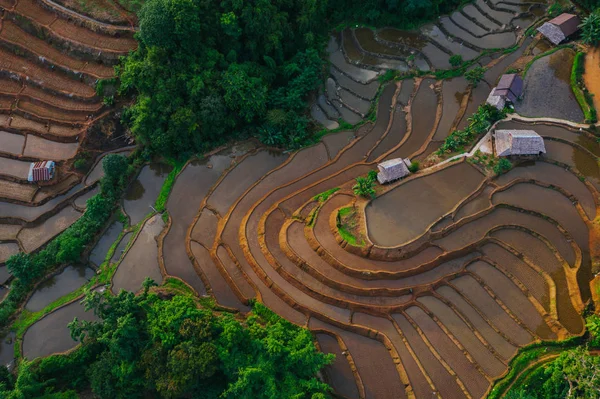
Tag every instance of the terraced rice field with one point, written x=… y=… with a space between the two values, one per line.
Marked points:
x=456 y=269
x=51 y=57
x=359 y=56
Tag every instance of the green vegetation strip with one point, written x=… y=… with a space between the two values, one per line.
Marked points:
x=479 y=123
x=582 y=95
x=526 y=356
x=167 y=187
x=324 y=196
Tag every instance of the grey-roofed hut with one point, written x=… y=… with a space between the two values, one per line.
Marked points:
x=392 y=169
x=510 y=88
x=518 y=142
x=558 y=29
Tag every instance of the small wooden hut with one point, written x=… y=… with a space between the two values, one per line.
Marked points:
x=41 y=171
x=558 y=29
x=509 y=89
x=518 y=142
x=393 y=169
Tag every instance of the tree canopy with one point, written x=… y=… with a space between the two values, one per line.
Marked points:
x=206 y=71
x=145 y=346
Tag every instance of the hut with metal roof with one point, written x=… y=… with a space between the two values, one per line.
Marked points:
x=558 y=29
x=509 y=89
x=41 y=171
x=518 y=142
x=393 y=169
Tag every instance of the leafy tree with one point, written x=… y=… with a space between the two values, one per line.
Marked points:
x=475 y=75
x=593 y=326
x=575 y=374
x=244 y=94
x=22 y=267
x=456 y=60
x=590 y=29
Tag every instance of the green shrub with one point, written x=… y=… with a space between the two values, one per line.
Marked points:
x=456 y=60
x=590 y=29
x=593 y=326
x=503 y=166
x=389 y=75
x=108 y=101
x=414 y=167
x=80 y=164
x=324 y=196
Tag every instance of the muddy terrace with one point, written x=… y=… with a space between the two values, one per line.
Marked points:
x=455 y=270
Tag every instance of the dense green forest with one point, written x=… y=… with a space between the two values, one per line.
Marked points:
x=208 y=71
x=165 y=345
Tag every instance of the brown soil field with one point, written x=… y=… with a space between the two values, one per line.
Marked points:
x=591 y=77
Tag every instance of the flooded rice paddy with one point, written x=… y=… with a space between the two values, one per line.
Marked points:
x=100 y=250
x=407 y=211
x=141 y=260
x=142 y=194
x=50 y=334
x=70 y=279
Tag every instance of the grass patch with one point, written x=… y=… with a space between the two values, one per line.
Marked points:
x=584 y=98
x=324 y=196
x=347 y=225
x=179 y=287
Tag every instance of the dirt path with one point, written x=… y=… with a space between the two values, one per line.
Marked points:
x=591 y=77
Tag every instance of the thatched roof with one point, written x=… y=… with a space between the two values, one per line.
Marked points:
x=559 y=28
x=518 y=142
x=392 y=169
x=496 y=101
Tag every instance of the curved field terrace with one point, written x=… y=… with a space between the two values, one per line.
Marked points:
x=428 y=290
